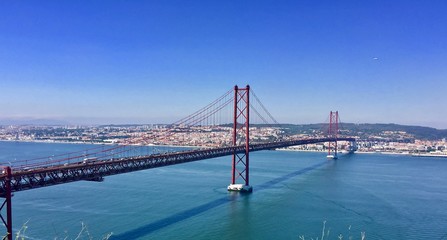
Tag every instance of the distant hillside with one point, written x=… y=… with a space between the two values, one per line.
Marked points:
x=367 y=129
x=424 y=133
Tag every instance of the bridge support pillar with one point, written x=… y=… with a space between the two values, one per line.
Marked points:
x=353 y=146
x=7 y=203
x=241 y=128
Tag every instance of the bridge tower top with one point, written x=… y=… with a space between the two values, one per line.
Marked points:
x=333 y=124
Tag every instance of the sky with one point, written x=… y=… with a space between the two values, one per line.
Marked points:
x=98 y=62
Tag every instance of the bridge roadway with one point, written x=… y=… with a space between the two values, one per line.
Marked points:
x=95 y=171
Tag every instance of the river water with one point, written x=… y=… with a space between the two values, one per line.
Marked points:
x=385 y=196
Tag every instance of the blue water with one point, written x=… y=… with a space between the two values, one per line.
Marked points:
x=385 y=196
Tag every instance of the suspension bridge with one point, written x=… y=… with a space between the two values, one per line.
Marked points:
x=96 y=163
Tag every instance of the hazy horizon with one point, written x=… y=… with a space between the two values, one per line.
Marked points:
x=96 y=122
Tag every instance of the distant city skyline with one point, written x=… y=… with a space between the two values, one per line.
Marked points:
x=119 y=62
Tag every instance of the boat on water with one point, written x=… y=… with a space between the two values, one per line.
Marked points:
x=330 y=157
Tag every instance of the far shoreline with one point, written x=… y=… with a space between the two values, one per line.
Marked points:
x=189 y=146
x=371 y=152
x=98 y=143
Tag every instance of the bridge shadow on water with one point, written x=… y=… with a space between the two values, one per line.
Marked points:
x=178 y=217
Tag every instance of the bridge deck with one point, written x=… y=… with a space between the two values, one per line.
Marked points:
x=97 y=170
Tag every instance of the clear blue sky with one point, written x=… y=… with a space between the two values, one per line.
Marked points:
x=157 y=61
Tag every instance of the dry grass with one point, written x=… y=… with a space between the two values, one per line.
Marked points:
x=325 y=234
x=84 y=234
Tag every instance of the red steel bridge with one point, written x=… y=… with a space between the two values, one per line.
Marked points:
x=99 y=162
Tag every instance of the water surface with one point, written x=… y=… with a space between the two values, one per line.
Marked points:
x=386 y=196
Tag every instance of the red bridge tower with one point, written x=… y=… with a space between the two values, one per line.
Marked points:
x=241 y=128
x=7 y=203
x=333 y=133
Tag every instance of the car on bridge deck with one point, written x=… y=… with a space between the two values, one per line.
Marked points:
x=89 y=160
